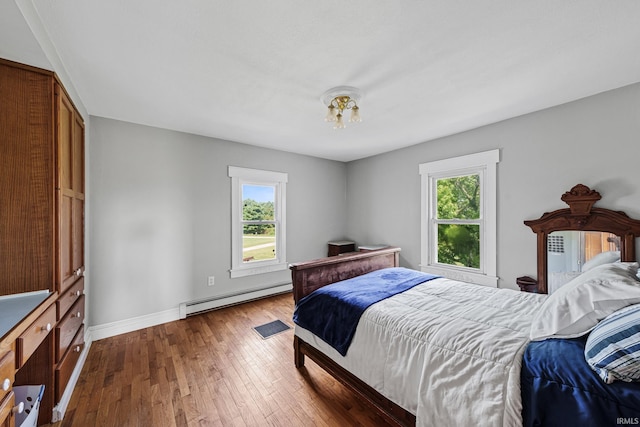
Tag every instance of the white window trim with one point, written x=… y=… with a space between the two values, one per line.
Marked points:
x=240 y=176
x=484 y=163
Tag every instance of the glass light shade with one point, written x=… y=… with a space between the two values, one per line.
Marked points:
x=331 y=114
x=339 y=122
x=355 y=115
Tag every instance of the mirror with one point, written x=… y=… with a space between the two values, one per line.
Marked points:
x=571 y=252
x=584 y=234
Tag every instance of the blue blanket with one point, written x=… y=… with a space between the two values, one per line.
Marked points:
x=333 y=311
x=559 y=389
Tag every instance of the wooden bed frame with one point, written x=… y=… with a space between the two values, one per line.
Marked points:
x=311 y=275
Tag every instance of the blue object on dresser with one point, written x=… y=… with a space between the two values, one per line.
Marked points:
x=14 y=308
x=333 y=311
x=560 y=389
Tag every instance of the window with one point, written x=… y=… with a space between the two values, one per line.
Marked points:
x=555 y=244
x=458 y=207
x=257 y=221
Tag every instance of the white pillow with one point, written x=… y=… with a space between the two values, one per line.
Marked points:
x=557 y=279
x=601 y=258
x=577 y=307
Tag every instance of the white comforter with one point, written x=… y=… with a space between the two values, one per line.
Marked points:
x=447 y=351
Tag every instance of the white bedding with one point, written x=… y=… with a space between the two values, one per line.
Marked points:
x=447 y=351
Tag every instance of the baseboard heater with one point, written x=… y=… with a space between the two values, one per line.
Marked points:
x=199 y=306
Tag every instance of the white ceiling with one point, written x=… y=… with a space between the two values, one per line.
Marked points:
x=254 y=71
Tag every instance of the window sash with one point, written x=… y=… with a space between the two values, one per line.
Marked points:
x=435 y=221
x=276 y=249
x=436 y=249
x=437 y=196
x=258 y=222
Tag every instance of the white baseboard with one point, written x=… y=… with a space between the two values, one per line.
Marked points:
x=107 y=330
x=112 y=329
x=194 y=307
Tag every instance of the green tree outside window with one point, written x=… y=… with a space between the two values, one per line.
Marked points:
x=458 y=214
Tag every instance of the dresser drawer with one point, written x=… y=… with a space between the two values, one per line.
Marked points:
x=6 y=407
x=31 y=338
x=68 y=297
x=68 y=327
x=68 y=363
x=7 y=373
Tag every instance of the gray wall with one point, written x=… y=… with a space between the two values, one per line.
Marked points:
x=160 y=200
x=161 y=207
x=594 y=141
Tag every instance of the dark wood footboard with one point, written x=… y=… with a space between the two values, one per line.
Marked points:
x=311 y=275
x=391 y=412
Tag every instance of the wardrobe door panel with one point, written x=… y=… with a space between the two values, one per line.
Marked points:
x=26 y=172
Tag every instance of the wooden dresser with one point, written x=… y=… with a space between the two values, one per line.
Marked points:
x=26 y=325
x=41 y=230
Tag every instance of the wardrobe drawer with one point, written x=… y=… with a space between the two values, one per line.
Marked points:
x=68 y=363
x=31 y=338
x=6 y=407
x=68 y=327
x=7 y=373
x=68 y=297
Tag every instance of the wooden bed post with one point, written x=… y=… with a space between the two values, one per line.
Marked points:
x=298 y=355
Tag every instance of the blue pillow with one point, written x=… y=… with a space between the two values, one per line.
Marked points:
x=613 y=346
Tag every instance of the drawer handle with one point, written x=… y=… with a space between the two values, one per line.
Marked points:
x=77 y=349
x=18 y=409
x=6 y=384
x=47 y=327
x=79 y=272
x=78 y=314
x=75 y=294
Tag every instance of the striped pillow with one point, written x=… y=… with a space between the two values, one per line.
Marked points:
x=613 y=347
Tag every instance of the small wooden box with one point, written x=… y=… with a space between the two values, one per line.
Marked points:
x=341 y=247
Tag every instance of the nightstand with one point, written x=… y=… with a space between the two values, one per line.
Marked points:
x=527 y=284
x=341 y=247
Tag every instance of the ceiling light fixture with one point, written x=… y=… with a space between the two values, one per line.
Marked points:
x=339 y=99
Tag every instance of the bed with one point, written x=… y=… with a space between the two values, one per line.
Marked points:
x=470 y=367
x=450 y=325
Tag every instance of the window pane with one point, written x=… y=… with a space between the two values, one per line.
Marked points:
x=258 y=202
x=459 y=245
x=258 y=242
x=459 y=197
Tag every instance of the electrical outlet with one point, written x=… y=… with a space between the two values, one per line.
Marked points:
x=212 y=280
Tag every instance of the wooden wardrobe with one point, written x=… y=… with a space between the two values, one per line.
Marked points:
x=42 y=196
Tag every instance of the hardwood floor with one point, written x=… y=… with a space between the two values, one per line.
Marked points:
x=212 y=369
